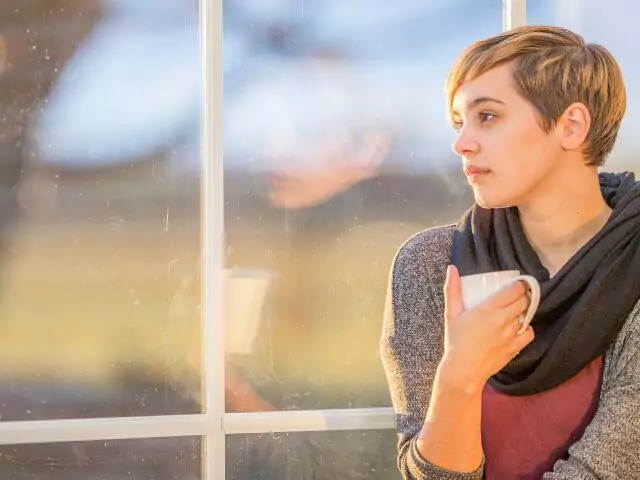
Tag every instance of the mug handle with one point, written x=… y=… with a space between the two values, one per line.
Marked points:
x=534 y=301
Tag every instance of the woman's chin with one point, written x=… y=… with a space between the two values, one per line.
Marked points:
x=491 y=200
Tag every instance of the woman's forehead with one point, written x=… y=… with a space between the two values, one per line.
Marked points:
x=494 y=85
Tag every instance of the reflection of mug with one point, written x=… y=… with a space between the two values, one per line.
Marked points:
x=479 y=287
x=246 y=293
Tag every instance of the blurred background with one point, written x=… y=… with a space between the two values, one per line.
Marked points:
x=337 y=149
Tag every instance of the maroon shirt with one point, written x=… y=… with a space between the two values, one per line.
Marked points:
x=523 y=437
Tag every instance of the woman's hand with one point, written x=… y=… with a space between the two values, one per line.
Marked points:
x=480 y=341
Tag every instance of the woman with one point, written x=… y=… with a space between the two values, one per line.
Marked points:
x=536 y=111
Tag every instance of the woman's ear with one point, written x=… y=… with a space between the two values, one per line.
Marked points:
x=573 y=126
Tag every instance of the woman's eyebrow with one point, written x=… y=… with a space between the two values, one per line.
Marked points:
x=478 y=101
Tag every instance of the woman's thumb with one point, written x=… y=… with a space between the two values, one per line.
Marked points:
x=452 y=294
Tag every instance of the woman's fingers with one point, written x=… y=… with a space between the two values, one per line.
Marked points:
x=517 y=309
x=519 y=342
x=507 y=295
x=453 y=294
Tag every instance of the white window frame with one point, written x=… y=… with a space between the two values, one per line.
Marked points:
x=514 y=14
x=214 y=424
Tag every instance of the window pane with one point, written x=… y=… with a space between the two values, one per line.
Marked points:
x=611 y=24
x=369 y=455
x=99 y=208
x=337 y=149
x=153 y=459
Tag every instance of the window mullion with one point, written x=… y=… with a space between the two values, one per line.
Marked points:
x=213 y=235
x=514 y=14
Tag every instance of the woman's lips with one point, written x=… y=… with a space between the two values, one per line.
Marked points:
x=474 y=174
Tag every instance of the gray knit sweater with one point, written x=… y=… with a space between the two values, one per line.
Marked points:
x=412 y=345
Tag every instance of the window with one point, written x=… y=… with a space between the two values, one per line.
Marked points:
x=122 y=309
x=336 y=150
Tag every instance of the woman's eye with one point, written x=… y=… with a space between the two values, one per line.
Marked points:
x=486 y=117
x=457 y=126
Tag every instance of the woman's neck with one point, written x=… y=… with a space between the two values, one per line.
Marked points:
x=564 y=218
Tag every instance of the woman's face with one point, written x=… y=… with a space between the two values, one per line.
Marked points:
x=506 y=155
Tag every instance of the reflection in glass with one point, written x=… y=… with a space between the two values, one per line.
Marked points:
x=356 y=455
x=99 y=208
x=153 y=459
x=337 y=149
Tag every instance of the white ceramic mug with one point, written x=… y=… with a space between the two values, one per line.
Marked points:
x=477 y=288
x=246 y=294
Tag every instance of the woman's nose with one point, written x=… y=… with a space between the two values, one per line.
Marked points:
x=465 y=143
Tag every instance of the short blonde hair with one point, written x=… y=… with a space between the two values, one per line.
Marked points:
x=552 y=68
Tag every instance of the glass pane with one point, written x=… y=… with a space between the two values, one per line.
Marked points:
x=337 y=150
x=153 y=459
x=99 y=208
x=611 y=24
x=369 y=455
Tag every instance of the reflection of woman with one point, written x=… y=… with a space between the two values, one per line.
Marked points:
x=536 y=111
x=338 y=221
x=339 y=203
x=319 y=348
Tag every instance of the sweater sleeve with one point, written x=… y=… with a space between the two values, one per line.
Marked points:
x=610 y=446
x=412 y=344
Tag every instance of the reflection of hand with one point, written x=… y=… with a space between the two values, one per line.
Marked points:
x=336 y=166
x=239 y=395
x=480 y=341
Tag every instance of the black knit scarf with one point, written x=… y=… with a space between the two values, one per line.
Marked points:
x=583 y=306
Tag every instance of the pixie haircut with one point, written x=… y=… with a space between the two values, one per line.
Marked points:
x=553 y=68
